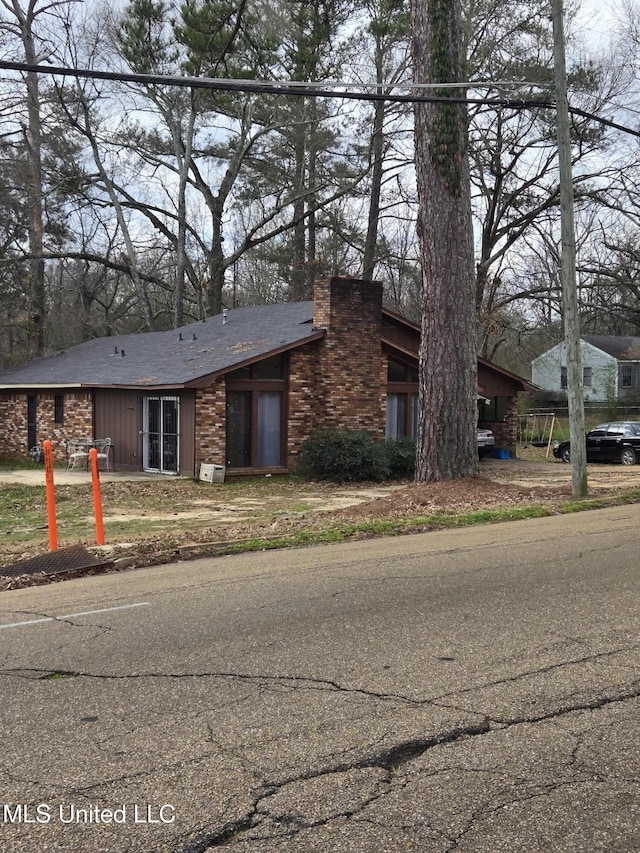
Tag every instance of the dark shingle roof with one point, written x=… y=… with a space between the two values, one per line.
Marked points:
x=174 y=358
x=622 y=348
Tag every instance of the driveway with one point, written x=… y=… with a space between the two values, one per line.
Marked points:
x=551 y=472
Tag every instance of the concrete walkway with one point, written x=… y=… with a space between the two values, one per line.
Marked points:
x=68 y=476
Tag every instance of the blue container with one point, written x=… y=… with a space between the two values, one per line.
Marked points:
x=500 y=453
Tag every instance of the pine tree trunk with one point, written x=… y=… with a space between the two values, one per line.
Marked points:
x=447 y=408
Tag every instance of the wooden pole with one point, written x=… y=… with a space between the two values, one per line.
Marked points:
x=575 y=396
x=51 y=494
x=97 y=498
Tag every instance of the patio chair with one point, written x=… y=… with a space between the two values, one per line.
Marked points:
x=78 y=452
x=103 y=446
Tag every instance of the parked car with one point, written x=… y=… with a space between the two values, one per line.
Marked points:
x=614 y=442
x=486 y=442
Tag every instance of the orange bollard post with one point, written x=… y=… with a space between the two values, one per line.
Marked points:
x=51 y=495
x=97 y=498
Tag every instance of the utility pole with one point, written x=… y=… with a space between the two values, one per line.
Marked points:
x=575 y=395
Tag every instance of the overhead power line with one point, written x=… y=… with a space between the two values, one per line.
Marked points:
x=334 y=90
x=268 y=87
x=607 y=122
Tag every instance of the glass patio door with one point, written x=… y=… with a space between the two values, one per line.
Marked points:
x=160 y=434
x=254 y=429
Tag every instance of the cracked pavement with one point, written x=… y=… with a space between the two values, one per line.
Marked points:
x=473 y=690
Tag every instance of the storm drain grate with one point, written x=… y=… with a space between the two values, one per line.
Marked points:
x=60 y=562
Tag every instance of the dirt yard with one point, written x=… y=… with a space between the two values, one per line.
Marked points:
x=499 y=484
x=151 y=519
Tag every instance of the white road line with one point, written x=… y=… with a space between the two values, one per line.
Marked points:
x=73 y=615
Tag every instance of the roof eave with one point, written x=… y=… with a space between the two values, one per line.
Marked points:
x=207 y=378
x=395 y=316
x=525 y=384
x=392 y=345
x=39 y=386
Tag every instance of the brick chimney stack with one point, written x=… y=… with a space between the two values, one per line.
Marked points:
x=350 y=370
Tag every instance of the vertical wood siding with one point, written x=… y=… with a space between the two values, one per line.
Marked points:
x=118 y=415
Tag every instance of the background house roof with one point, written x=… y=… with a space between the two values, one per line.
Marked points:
x=174 y=358
x=622 y=348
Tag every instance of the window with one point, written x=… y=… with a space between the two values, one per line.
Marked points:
x=402 y=416
x=58 y=409
x=255 y=415
x=587 y=373
x=626 y=375
x=616 y=429
x=32 y=421
x=399 y=371
x=495 y=409
x=269 y=429
x=269 y=368
x=402 y=400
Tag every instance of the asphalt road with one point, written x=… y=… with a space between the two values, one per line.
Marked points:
x=472 y=690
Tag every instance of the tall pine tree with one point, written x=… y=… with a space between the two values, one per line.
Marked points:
x=447 y=408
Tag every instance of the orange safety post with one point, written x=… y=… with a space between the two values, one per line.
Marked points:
x=51 y=494
x=97 y=499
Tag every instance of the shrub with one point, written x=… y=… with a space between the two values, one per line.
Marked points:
x=401 y=456
x=343 y=455
x=541 y=399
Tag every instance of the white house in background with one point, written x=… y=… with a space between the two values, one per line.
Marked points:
x=610 y=368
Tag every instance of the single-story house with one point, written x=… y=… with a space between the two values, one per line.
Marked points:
x=610 y=368
x=242 y=389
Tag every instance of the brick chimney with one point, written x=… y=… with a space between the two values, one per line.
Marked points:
x=350 y=365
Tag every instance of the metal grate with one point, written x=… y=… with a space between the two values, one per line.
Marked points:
x=58 y=562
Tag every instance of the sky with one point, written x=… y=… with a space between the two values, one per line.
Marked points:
x=598 y=20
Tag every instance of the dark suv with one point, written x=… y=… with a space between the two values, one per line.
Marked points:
x=614 y=442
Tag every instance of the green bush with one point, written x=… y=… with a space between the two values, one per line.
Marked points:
x=344 y=456
x=401 y=456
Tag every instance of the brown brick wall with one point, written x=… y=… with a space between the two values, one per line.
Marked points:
x=506 y=431
x=13 y=425
x=349 y=364
x=78 y=421
x=304 y=412
x=339 y=381
x=210 y=444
